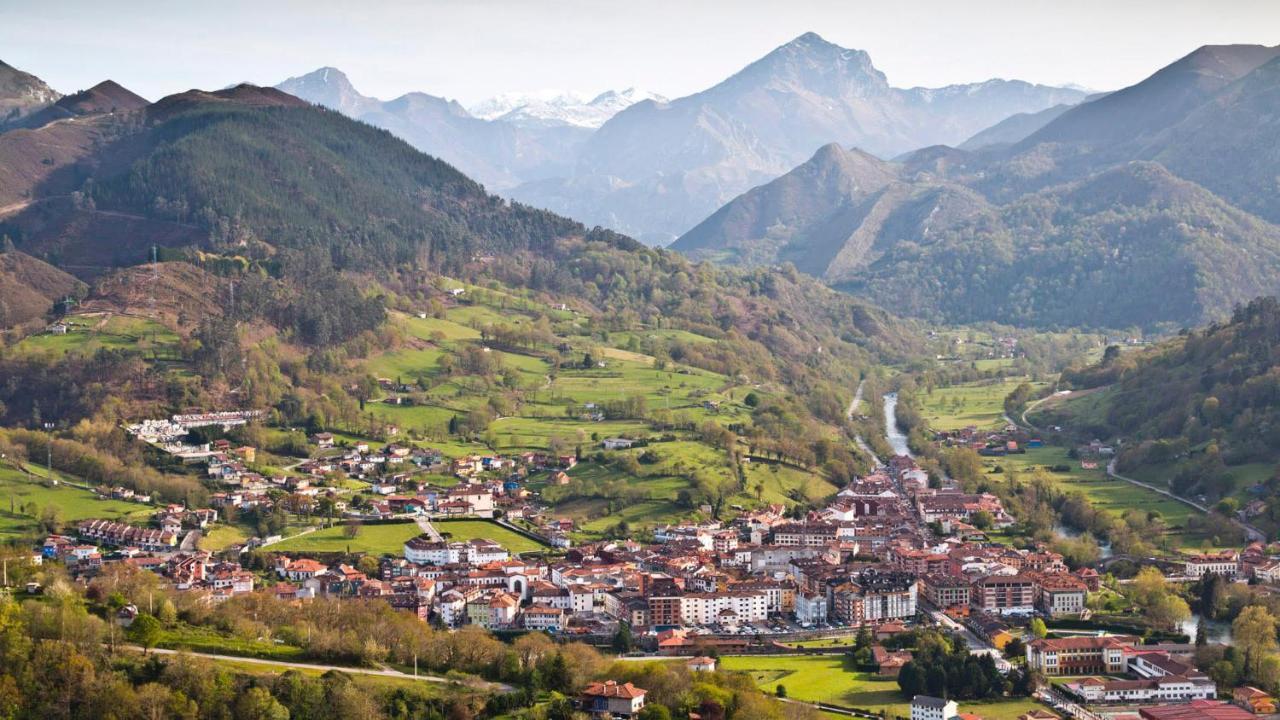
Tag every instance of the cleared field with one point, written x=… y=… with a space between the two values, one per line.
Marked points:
x=19 y=492
x=516 y=433
x=979 y=404
x=91 y=332
x=832 y=679
x=221 y=536
x=385 y=539
x=470 y=529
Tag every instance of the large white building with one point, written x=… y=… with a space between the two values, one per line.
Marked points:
x=423 y=550
x=729 y=607
x=1226 y=564
x=927 y=707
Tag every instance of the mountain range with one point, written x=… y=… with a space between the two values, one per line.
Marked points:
x=637 y=163
x=562 y=108
x=1153 y=204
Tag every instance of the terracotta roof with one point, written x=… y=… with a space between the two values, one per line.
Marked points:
x=611 y=689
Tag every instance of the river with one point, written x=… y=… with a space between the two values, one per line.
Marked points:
x=1062 y=531
x=1218 y=631
x=893 y=434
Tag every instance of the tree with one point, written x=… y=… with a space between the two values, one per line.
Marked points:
x=351 y=530
x=983 y=520
x=146 y=630
x=780 y=690
x=167 y=614
x=655 y=711
x=1038 y=628
x=1254 y=634
x=257 y=704
x=623 y=642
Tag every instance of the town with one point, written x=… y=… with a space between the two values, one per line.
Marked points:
x=893 y=555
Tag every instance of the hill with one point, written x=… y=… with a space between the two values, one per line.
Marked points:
x=1073 y=223
x=1202 y=408
x=22 y=94
x=104 y=98
x=656 y=169
x=29 y=288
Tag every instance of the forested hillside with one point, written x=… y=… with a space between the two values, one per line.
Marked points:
x=1207 y=402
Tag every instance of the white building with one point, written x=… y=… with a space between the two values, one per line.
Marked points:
x=926 y=707
x=1226 y=564
x=736 y=607
x=811 y=609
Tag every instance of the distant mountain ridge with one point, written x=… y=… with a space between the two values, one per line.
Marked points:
x=1156 y=204
x=655 y=169
x=561 y=109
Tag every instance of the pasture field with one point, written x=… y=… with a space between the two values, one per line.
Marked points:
x=832 y=679
x=469 y=529
x=980 y=404
x=19 y=491
x=384 y=539
x=1102 y=491
x=93 y=331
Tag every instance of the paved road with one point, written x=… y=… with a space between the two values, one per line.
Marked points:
x=424 y=523
x=386 y=672
x=1252 y=532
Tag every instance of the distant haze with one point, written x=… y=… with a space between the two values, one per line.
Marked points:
x=474 y=49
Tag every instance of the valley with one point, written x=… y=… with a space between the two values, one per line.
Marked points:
x=796 y=393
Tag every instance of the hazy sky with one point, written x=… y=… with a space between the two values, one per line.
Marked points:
x=472 y=49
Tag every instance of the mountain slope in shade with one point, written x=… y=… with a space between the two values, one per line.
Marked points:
x=1014 y=128
x=29 y=288
x=656 y=169
x=1157 y=102
x=832 y=216
x=1134 y=245
x=498 y=154
x=21 y=94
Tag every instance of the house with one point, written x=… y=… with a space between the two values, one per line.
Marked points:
x=889 y=662
x=560 y=477
x=323 y=439
x=1254 y=700
x=701 y=664
x=927 y=707
x=617 y=443
x=609 y=699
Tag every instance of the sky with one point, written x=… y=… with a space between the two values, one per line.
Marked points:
x=473 y=49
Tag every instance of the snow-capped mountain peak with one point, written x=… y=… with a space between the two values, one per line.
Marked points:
x=559 y=107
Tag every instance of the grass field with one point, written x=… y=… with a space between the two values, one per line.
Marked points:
x=1103 y=492
x=831 y=678
x=469 y=529
x=18 y=490
x=387 y=539
x=221 y=536
x=208 y=640
x=90 y=332
x=980 y=404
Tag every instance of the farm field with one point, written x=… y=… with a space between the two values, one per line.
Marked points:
x=832 y=679
x=18 y=490
x=979 y=404
x=93 y=331
x=470 y=529
x=1104 y=492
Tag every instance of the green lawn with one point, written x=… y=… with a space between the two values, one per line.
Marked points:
x=385 y=539
x=980 y=404
x=18 y=490
x=831 y=678
x=469 y=529
x=220 y=536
